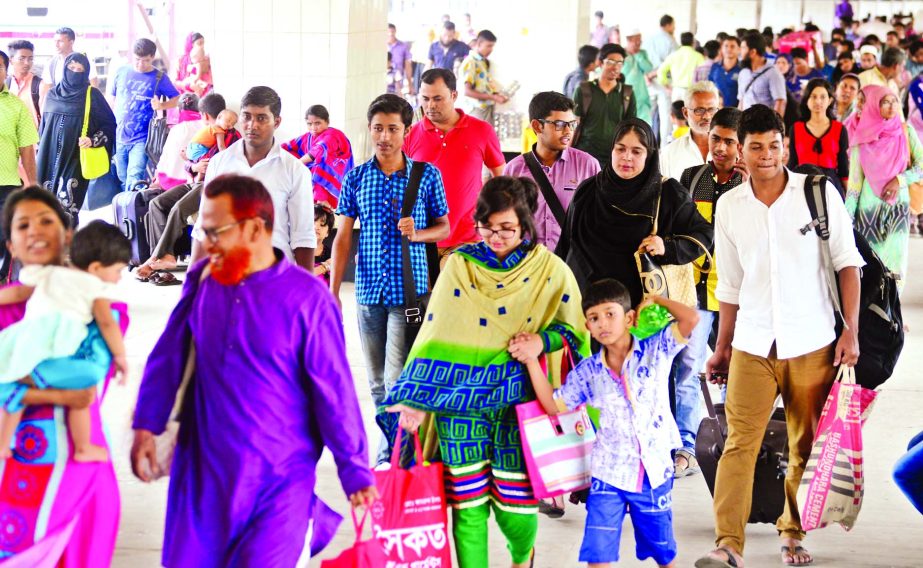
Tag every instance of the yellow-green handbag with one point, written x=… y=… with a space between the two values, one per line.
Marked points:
x=94 y=162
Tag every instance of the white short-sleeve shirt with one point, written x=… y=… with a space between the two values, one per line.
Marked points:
x=289 y=185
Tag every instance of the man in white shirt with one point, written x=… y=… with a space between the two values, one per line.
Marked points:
x=700 y=105
x=53 y=71
x=775 y=304
x=259 y=156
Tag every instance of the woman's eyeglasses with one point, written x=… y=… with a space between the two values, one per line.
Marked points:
x=504 y=233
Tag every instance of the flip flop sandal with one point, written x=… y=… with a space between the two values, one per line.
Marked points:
x=690 y=467
x=709 y=562
x=167 y=279
x=792 y=552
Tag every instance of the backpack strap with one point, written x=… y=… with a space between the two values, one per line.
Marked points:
x=627 y=92
x=412 y=311
x=36 y=83
x=816 y=196
x=551 y=198
x=586 y=96
x=696 y=178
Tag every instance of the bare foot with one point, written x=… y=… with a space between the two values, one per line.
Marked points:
x=793 y=554
x=144 y=271
x=91 y=453
x=168 y=262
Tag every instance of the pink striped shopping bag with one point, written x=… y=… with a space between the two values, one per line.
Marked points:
x=556 y=448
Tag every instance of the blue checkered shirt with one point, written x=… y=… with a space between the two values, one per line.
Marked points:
x=375 y=200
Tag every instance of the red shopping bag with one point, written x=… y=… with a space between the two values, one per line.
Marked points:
x=410 y=519
x=833 y=482
x=363 y=554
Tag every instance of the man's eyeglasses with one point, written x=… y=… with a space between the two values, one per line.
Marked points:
x=212 y=235
x=613 y=62
x=559 y=125
x=505 y=233
x=701 y=111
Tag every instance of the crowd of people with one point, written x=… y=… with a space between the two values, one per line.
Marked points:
x=501 y=281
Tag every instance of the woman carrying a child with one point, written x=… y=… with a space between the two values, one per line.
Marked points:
x=58 y=159
x=461 y=371
x=612 y=215
x=57 y=512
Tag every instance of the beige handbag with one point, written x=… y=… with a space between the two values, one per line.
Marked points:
x=165 y=443
x=673 y=281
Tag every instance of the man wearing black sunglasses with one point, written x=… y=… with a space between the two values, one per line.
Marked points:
x=556 y=167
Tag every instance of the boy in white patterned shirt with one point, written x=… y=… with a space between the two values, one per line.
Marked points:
x=627 y=381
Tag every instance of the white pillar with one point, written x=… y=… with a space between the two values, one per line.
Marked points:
x=329 y=52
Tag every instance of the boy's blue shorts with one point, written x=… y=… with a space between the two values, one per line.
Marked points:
x=651 y=513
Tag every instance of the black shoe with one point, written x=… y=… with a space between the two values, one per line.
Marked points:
x=549 y=509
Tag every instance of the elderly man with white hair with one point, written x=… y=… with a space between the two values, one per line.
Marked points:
x=701 y=103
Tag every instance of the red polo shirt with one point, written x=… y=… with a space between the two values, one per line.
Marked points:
x=460 y=154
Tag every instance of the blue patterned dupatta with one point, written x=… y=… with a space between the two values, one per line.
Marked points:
x=459 y=368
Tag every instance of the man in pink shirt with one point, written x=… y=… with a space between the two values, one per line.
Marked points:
x=460 y=146
x=556 y=167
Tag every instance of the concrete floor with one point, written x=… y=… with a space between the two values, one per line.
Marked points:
x=889 y=532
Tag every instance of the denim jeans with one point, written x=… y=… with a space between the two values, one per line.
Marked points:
x=908 y=472
x=689 y=363
x=130 y=161
x=383 y=333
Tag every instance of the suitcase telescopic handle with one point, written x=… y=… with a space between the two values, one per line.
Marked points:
x=709 y=405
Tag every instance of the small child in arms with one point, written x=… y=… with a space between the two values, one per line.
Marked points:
x=212 y=135
x=61 y=303
x=628 y=381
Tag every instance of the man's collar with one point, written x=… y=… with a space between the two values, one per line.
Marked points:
x=562 y=156
x=405 y=171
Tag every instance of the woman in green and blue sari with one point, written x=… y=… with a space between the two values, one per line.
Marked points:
x=460 y=370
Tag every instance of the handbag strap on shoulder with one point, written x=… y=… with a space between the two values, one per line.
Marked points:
x=86 y=113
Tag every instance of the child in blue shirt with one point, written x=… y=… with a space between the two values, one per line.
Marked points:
x=628 y=382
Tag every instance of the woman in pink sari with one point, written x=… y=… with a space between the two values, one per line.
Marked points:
x=326 y=152
x=54 y=512
x=193 y=72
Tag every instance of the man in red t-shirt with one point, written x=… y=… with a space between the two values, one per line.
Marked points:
x=460 y=146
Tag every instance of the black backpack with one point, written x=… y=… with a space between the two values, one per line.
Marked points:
x=881 y=326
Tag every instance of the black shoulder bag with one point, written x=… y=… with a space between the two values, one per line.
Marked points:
x=551 y=198
x=414 y=306
x=881 y=325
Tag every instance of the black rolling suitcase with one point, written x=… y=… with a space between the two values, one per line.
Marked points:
x=130 y=209
x=771 y=463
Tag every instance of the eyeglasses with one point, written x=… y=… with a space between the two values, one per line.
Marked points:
x=506 y=233
x=613 y=62
x=212 y=235
x=559 y=125
x=888 y=102
x=700 y=111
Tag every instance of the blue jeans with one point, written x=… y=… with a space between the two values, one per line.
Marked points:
x=908 y=472
x=383 y=333
x=130 y=161
x=689 y=363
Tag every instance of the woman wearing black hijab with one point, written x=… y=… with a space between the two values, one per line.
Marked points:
x=60 y=132
x=612 y=215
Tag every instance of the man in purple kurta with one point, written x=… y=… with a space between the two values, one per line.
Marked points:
x=272 y=387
